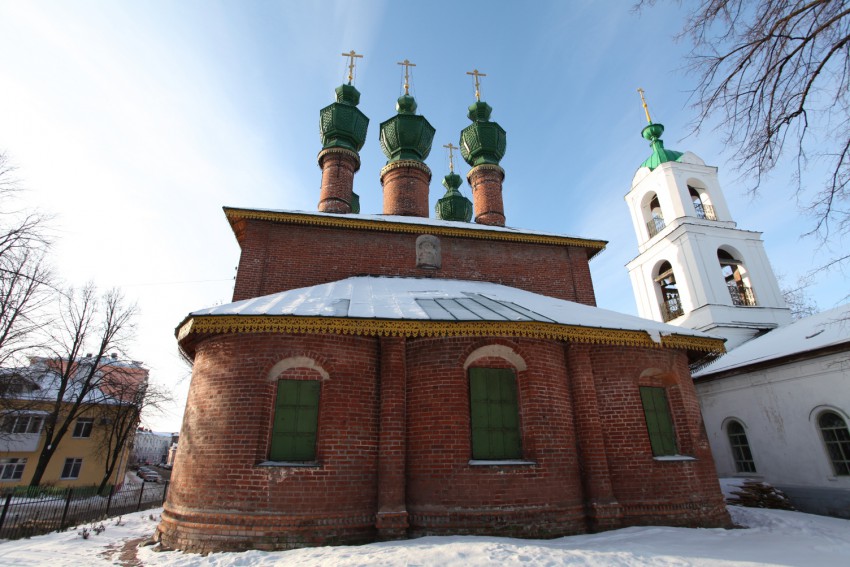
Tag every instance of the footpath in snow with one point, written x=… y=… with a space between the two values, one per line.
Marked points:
x=772 y=537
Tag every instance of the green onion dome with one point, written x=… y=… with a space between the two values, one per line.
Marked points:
x=453 y=206
x=407 y=135
x=660 y=154
x=342 y=124
x=482 y=141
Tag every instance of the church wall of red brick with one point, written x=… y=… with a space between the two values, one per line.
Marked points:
x=446 y=494
x=394 y=444
x=219 y=490
x=649 y=490
x=276 y=258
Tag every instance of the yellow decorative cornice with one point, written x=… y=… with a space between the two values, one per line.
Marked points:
x=344 y=151
x=351 y=221
x=219 y=324
x=411 y=163
x=482 y=167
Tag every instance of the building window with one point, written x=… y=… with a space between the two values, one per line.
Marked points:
x=740 y=448
x=83 y=427
x=703 y=209
x=837 y=439
x=12 y=468
x=22 y=423
x=659 y=424
x=671 y=304
x=296 y=417
x=655 y=224
x=737 y=280
x=494 y=414
x=71 y=470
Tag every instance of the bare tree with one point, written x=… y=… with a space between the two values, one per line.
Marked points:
x=121 y=418
x=777 y=74
x=25 y=278
x=797 y=298
x=88 y=322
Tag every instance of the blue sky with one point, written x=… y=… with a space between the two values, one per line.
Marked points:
x=136 y=122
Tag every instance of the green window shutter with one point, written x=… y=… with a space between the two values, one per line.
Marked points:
x=658 y=420
x=296 y=416
x=494 y=413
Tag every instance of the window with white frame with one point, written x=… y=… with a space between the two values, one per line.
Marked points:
x=71 y=470
x=83 y=427
x=744 y=462
x=22 y=423
x=12 y=468
x=837 y=439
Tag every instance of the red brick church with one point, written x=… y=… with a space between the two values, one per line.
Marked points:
x=389 y=376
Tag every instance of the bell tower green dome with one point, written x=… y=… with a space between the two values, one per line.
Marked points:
x=342 y=124
x=652 y=132
x=407 y=135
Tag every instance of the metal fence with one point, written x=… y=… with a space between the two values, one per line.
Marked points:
x=37 y=512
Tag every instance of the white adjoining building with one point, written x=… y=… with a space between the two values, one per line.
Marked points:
x=777 y=407
x=150 y=447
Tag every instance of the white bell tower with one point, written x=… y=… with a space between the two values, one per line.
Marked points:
x=695 y=268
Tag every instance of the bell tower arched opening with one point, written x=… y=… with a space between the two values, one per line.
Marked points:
x=668 y=292
x=737 y=278
x=701 y=201
x=652 y=215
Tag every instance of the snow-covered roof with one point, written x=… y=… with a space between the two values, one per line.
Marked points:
x=426 y=299
x=826 y=329
x=397 y=222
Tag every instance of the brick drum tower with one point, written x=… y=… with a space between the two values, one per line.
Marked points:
x=390 y=376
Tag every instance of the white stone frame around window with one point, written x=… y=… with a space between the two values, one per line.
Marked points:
x=814 y=418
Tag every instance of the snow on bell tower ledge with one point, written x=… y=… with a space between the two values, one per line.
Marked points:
x=695 y=268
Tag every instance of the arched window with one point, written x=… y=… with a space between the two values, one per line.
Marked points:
x=837 y=440
x=737 y=279
x=740 y=448
x=655 y=223
x=296 y=414
x=702 y=208
x=494 y=412
x=671 y=304
x=298 y=385
x=659 y=421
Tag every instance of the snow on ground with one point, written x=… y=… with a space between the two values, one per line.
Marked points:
x=773 y=537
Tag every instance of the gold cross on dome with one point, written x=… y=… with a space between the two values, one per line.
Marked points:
x=351 y=55
x=645 y=108
x=451 y=156
x=477 y=74
x=407 y=65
